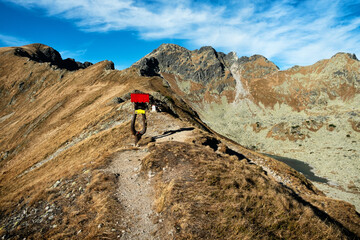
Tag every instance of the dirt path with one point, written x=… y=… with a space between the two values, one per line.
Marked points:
x=135 y=195
x=135 y=192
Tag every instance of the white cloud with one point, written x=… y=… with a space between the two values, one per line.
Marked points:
x=288 y=31
x=73 y=54
x=11 y=41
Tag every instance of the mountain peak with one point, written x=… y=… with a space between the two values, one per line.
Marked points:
x=206 y=49
x=37 y=46
x=42 y=53
x=253 y=58
x=170 y=47
x=348 y=55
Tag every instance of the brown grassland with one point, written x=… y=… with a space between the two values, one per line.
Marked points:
x=60 y=129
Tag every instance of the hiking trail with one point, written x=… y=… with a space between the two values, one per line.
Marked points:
x=134 y=191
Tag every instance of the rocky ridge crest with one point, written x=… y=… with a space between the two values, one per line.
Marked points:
x=41 y=53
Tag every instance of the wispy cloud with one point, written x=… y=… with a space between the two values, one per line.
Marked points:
x=11 y=41
x=73 y=54
x=287 y=31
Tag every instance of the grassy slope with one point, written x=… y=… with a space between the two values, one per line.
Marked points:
x=59 y=129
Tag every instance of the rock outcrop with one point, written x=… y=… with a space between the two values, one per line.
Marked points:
x=204 y=66
x=42 y=53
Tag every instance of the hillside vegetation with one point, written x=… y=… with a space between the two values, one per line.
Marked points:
x=69 y=168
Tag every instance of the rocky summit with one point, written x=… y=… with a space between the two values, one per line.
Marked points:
x=307 y=114
x=42 y=53
x=70 y=168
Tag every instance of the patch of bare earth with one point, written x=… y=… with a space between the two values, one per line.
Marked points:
x=135 y=190
x=135 y=194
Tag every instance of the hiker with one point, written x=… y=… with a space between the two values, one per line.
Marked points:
x=140 y=104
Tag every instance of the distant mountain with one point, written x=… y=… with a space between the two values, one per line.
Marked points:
x=307 y=113
x=69 y=168
x=206 y=76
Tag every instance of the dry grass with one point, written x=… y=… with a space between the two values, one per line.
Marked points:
x=67 y=119
x=208 y=196
x=76 y=208
x=60 y=129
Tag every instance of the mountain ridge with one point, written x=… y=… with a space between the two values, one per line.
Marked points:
x=42 y=53
x=67 y=158
x=292 y=113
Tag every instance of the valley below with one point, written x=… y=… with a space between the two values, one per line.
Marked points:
x=333 y=154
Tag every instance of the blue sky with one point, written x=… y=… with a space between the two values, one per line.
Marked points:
x=287 y=32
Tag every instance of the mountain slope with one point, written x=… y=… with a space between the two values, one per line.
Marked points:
x=306 y=113
x=69 y=168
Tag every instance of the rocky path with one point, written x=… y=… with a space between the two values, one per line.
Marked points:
x=135 y=195
x=135 y=192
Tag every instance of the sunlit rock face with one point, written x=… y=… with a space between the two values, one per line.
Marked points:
x=310 y=113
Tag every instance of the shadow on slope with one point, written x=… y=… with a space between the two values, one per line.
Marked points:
x=171 y=132
x=300 y=166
